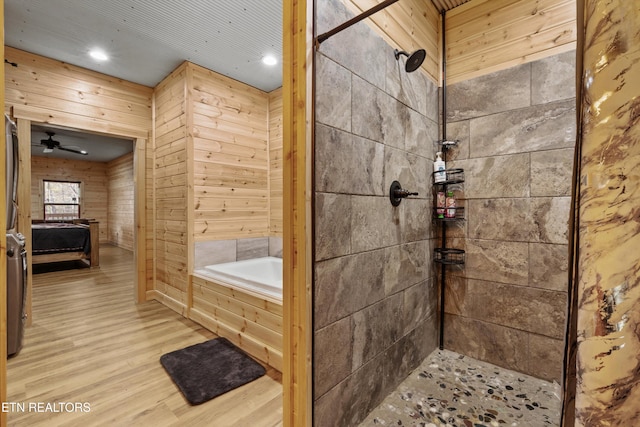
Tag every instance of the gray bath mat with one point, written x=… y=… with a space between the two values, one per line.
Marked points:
x=209 y=369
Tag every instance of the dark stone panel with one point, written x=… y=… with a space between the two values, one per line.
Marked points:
x=329 y=366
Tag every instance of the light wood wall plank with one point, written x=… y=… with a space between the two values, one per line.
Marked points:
x=487 y=36
x=95 y=189
x=297 y=238
x=230 y=134
x=120 y=212
x=275 y=162
x=170 y=216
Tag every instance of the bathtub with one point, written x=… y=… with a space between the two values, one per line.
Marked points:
x=260 y=275
x=242 y=301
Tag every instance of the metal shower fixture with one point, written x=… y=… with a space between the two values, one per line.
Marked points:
x=414 y=60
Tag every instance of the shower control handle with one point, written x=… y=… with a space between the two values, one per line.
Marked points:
x=404 y=193
x=397 y=193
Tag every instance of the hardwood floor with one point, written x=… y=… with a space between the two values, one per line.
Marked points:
x=90 y=344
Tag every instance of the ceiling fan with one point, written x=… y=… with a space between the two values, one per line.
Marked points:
x=50 y=144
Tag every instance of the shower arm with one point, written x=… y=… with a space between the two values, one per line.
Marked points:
x=354 y=20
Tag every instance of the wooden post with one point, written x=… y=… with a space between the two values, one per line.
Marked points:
x=297 y=241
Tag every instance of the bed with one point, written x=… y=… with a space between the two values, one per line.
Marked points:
x=65 y=241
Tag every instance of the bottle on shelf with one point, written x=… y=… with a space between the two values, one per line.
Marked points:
x=440 y=204
x=439 y=168
x=450 y=202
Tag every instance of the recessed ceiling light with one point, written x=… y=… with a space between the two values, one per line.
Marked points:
x=270 y=60
x=98 y=54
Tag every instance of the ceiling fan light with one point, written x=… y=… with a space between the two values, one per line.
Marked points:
x=47 y=150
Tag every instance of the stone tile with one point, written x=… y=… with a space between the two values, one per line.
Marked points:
x=330 y=367
x=214 y=252
x=275 y=246
x=374 y=223
x=501 y=219
x=546 y=357
x=408 y=169
x=406 y=354
x=408 y=88
x=375 y=328
x=333 y=225
x=350 y=401
x=458 y=131
x=500 y=91
x=490 y=177
x=376 y=115
x=257 y=247
x=333 y=94
x=456 y=390
x=433 y=101
x=553 y=78
x=551 y=172
x=414 y=216
x=455 y=293
x=370 y=49
x=347 y=163
x=347 y=284
x=548 y=266
x=498 y=261
x=536 y=128
x=421 y=135
x=420 y=303
x=528 y=309
x=405 y=265
x=551 y=217
x=502 y=346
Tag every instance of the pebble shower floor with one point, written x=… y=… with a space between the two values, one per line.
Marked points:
x=452 y=390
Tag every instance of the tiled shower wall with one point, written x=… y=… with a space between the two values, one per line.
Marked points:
x=517 y=130
x=374 y=294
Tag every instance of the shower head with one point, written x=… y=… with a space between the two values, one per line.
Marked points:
x=414 y=60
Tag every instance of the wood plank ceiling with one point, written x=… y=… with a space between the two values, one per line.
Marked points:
x=447 y=4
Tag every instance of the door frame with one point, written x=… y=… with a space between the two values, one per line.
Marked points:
x=24 y=202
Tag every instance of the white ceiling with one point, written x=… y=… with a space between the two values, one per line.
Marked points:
x=146 y=40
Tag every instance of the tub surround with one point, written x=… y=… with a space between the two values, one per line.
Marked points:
x=251 y=322
x=220 y=251
x=517 y=132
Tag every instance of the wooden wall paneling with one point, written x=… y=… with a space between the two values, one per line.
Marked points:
x=24 y=204
x=275 y=163
x=297 y=236
x=253 y=323
x=121 y=191
x=170 y=192
x=230 y=158
x=92 y=175
x=189 y=83
x=486 y=36
x=44 y=90
x=408 y=25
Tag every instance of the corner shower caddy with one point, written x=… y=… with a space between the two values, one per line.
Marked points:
x=443 y=255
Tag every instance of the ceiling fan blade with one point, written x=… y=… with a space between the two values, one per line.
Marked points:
x=84 y=153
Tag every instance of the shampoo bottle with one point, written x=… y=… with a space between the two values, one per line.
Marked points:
x=439 y=169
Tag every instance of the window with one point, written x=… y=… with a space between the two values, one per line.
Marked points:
x=61 y=200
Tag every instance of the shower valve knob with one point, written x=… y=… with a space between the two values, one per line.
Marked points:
x=397 y=193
